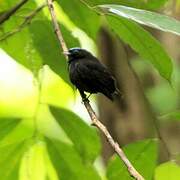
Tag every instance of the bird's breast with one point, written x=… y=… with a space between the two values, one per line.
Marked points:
x=73 y=72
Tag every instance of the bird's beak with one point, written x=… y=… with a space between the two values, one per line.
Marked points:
x=66 y=53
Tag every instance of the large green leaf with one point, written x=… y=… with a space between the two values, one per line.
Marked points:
x=83 y=17
x=48 y=126
x=144 y=17
x=142 y=154
x=19 y=80
x=172 y=116
x=10 y=160
x=36 y=45
x=18 y=88
x=7 y=125
x=84 y=137
x=22 y=131
x=68 y=163
x=167 y=171
x=51 y=89
x=142 y=42
x=16 y=19
x=35 y=163
x=45 y=42
x=20 y=47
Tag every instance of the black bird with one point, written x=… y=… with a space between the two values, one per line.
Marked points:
x=89 y=75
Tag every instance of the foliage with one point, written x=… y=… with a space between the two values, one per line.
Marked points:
x=40 y=135
x=144 y=158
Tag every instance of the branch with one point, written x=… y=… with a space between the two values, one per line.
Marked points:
x=57 y=30
x=26 y=21
x=94 y=119
x=5 y=16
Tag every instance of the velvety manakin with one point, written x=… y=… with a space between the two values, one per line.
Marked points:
x=89 y=75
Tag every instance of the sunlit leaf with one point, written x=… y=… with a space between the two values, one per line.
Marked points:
x=48 y=126
x=51 y=89
x=144 y=17
x=68 y=163
x=18 y=88
x=84 y=138
x=37 y=45
x=10 y=160
x=21 y=132
x=7 y=125
x=46 y=44
x=33 y=164
x=83 y=17
x=167 y=171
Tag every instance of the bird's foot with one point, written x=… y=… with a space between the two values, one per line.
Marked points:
x=85 y=99
x=89 y=95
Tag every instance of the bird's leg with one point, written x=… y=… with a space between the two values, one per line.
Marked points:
x=89 y=95
x=83 y=95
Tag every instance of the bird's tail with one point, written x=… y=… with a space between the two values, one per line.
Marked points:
x=112 y=96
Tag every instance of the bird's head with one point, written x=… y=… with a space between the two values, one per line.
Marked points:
x=77 y=53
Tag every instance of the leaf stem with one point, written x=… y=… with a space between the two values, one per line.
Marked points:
x=5 y=16
x=27 y=20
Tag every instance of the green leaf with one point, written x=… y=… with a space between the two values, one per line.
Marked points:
x=37 y=45
x=84 y=137
x=24 y=130
x=162 y=98
x=48 y=126
x=83 y=17
x=154 y=4
x=18 y=88
x=10 y=160
x=20 y=47
x=52 y=91
x=35 y=162
x=167 y=171
x=143 y=156
x=172 y=116
x=7 y=125
x=143 y=43
x=46 y=44
x=148 y=18
x=68 y=163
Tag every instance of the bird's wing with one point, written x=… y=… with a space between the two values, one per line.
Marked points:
x=97 y=75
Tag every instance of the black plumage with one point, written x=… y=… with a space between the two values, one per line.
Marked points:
x=89 y=75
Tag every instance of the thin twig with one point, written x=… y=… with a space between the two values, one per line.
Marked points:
x=26 y=21
x=94 y=119
x=5 y=16
x=132 y=171
x=57 y=30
